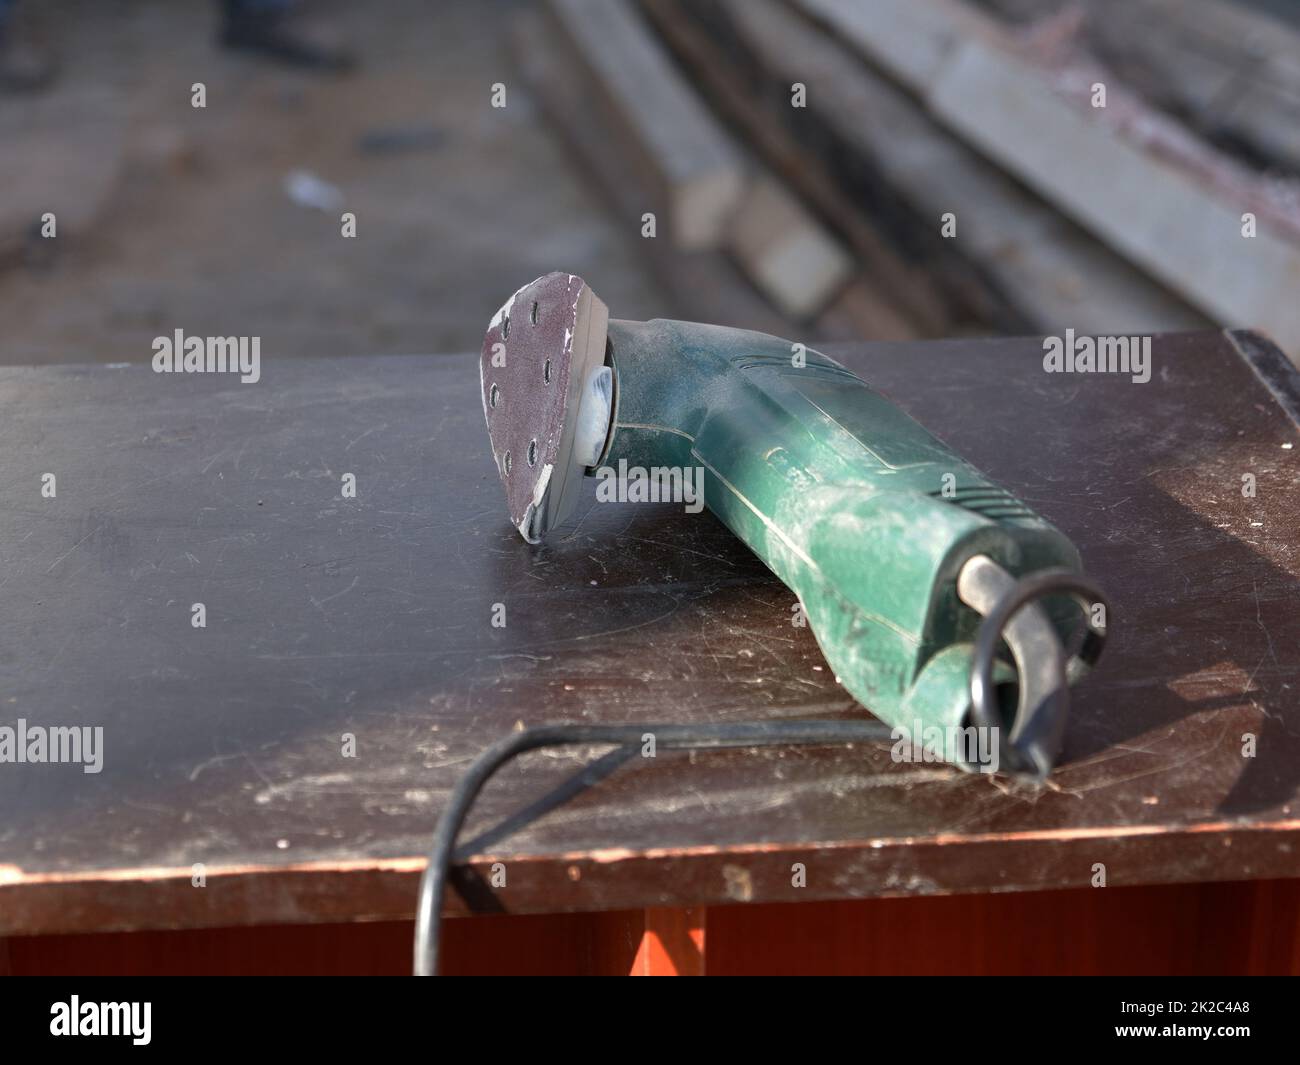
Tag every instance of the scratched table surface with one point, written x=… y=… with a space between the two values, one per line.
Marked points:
x=371 y=617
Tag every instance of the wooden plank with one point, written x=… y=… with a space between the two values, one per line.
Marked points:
x=1015 y=262
x=1229 y=69
x=911 y=40
x=895 y=297
x=1233 y=69
x=862 y=311
x=1156 y=214
x=1142 y=43
x=1159 y=213
x=785 y=251
x=697 y=173
x=704 y=285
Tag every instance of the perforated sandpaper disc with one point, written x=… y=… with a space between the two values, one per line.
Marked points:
x=539 y=349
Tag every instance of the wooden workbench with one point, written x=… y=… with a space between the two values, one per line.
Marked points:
x=372 y=616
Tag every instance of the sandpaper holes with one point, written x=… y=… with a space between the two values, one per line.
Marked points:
x=494 y=396
x=546 y=372
x=532 y=315
x=505 y=463
x=532 y=452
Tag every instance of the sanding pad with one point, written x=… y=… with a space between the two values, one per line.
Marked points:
x=539 y=354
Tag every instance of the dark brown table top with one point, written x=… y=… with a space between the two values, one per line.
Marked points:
x=372 y=616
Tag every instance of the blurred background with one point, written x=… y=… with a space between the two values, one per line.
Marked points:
x=826 y=170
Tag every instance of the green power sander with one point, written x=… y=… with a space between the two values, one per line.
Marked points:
x=920 y=578
x=897 y=549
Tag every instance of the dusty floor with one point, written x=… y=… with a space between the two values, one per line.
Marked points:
x=178 y=218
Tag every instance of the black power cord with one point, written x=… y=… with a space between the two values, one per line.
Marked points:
x=433 y=882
